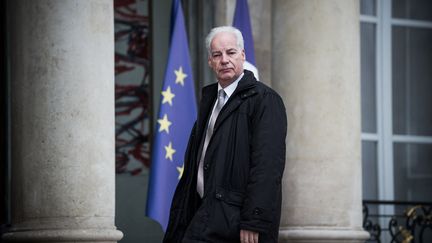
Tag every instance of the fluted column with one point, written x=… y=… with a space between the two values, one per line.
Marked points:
x=62 y=102
x=316 y=70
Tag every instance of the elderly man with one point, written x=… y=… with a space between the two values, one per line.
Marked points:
x=231 y=187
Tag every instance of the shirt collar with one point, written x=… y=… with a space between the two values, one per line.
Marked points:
x=229 y=90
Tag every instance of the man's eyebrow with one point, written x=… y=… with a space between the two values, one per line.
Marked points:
x=217 y=52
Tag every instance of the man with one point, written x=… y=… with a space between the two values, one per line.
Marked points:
x=231 y=187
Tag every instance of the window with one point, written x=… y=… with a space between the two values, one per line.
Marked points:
x=396 y=87
x=396 y=100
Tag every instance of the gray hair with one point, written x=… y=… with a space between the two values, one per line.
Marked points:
x=229 y=29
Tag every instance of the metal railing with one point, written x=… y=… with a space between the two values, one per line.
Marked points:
x=398 y=221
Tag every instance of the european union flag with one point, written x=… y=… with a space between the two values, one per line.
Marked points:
x=242 y=22
x=177 y=114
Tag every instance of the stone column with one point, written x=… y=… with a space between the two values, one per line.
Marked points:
x=62 y=102
x=316 y=68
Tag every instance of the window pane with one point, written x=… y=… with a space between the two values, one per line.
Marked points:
x=368 y=7
x=408 y=9
x=413 y=171
x=368 y=70
x=412 y=81
x=369 y=170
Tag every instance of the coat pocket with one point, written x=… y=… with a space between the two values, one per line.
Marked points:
x=230 y=197
x=225 y=220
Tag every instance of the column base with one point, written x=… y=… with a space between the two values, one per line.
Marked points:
x=322 y=235
x=65 y=236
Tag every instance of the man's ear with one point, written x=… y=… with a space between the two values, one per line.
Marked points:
x=209 y=61
x=244 y=55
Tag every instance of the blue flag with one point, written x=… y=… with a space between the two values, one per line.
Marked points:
x=177 y=114
x=242 y=22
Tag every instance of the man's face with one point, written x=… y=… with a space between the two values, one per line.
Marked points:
x=226 y=59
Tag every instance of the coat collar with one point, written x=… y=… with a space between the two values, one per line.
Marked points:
x=244 y=89
x=247 y=82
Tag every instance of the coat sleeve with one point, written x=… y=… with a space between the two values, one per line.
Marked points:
x=261 y=207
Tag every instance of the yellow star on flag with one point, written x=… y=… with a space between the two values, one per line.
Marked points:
x=167 y=96
x=164 y=124
x=180 y=170
x=180 y=76
x=169 y=151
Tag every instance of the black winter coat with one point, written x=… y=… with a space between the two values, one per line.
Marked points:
x=243 y=169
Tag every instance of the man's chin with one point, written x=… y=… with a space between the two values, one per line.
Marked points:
x=226 y=78
x=226 y=75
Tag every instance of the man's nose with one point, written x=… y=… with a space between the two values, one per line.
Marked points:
x=224 y=58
